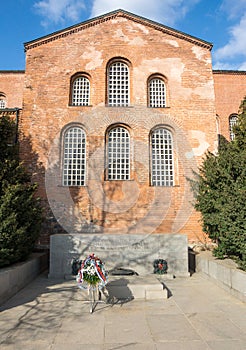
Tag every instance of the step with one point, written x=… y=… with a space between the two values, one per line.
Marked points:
x=147 y=287
x=139 y=287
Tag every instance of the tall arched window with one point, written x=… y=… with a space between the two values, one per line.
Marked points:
x=232 y=121
x=74 y=157
x=156 y=92
x=80 y=91
x=162 y=167
x=118 y=154
x=118 y=84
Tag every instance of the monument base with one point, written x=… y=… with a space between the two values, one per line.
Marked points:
x=122 y=289
x=136 y=252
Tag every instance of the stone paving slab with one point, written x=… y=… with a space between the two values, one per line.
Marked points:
x=51 y=315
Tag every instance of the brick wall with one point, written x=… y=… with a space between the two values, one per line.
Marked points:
x=121 y=206
x=115 y=206
x=230 y=90
x=11 y=86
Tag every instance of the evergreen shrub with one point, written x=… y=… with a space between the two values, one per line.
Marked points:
x=20 y=210
x=221 y=194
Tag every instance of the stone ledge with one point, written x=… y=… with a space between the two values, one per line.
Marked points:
x=15 y=277
x=224 y=273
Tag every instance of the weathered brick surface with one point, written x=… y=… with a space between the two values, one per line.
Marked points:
x=116 y=206
x=230 y=90
x=11 y=85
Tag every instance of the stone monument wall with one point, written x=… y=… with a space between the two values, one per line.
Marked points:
x=136 y=252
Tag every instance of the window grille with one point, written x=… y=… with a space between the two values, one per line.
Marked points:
x=81 y=92
x=74 y=160
x=232 y=121
x=162 y=158
x=2 y=103
x=157 y=93
x=118 y=154
x=118 y=84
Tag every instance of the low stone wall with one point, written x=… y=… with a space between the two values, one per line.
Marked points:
x=136 y=252
x=224 y=273
x=17 y=276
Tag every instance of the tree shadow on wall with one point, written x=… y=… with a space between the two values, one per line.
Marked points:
x=35 y=167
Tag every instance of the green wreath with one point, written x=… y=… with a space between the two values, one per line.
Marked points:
x=160 y=266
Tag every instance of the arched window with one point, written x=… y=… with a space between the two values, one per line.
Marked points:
x=156 y=92
x=118 y=154
x=80 y=91
x=118 y=84
x=232 y=121
x=2 y=101
x=162 y=167
x=74 y=157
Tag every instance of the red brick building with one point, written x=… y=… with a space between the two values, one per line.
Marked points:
x=117 y=113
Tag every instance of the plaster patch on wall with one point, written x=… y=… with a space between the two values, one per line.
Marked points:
x=135 y=41
x=133 y=27
x=176 y=70
x=94 y=56
x=118 y=20
x=206 y=90
x=141 y=27
x=200 y=136
x=200 y=53
x=173 y=68
x=119 y=34
x=172 y=42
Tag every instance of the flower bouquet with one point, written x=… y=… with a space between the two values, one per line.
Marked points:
x=92 y=273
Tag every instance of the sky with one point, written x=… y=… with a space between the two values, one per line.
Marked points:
x=221 y=22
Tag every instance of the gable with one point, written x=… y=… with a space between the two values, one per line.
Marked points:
x=112 y=16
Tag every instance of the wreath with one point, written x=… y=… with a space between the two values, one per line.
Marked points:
x=92 y=272
x=160 y=266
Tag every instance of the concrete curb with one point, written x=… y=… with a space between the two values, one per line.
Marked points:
x=17 y=276
x=224 y=273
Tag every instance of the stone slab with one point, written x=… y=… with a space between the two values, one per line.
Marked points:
x=224 y=273
x=50 y=314
x=17 y=276
x=131 y=287
x=136 y=252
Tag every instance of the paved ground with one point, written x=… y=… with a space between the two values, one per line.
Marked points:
x=49 y=314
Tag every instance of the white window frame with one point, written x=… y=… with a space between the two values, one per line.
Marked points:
x=118 y=154
x=74 y=157
x=157 y=93
x=81 y=91
x=2 y=101
x=162 y=157
x=232 y=121
x=118 y=84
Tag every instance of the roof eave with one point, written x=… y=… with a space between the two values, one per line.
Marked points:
x=105 y=17
x=228 y=71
